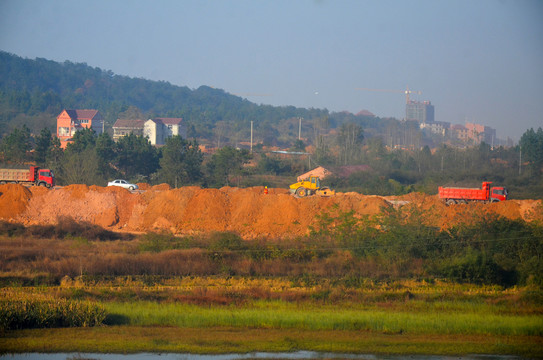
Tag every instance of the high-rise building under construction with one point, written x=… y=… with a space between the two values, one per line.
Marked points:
x=419 y=111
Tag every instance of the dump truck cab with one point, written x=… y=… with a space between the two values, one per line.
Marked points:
x=42 y=177
x=498 y=194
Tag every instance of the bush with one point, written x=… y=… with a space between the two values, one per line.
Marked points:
x=28 y=314
x=220 y=241
x=156 y=243
x=11 y=229
x=477 y=267
x=66 y=228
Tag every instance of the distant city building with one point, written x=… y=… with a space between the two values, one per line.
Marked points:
x=419 y=111
x=156 y=130
x=460 y=132
x=479 y=133
x=436 y=127
x=70 y=121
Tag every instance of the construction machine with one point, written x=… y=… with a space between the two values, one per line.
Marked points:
x=310 y=186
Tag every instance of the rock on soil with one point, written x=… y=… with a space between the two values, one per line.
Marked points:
x=249 y=212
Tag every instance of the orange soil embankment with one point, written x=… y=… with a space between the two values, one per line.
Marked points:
x=249 y=212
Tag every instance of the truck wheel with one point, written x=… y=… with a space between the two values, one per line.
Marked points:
x=451 y=202
x=301 y=192
x=43 y=184
x=131 y=188
x=464 y=202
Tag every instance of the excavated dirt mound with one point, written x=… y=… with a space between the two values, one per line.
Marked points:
x=249 y=212
x=13 y=200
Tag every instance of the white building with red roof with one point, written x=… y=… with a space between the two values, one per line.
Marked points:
x=157 y=130
x=123 y=127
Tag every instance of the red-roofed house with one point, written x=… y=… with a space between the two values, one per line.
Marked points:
x=70 y=121
x=157 y=130
x=124 y=127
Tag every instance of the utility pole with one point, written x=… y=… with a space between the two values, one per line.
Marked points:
x=300 y=129
x=251 y=136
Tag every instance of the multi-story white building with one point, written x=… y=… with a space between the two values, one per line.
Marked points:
x=157 y=130
x=436 y=127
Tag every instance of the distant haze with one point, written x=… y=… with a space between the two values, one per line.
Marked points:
x=477 y=61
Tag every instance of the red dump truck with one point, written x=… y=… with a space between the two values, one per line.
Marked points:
x=32 y=176
x=454 y=195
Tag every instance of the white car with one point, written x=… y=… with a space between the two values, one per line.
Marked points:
x=123 y=183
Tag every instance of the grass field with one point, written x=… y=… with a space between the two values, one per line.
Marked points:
x=225 y=314
x=160 y=339
x=280 y=315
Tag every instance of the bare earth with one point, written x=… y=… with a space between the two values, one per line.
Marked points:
x=249 y=212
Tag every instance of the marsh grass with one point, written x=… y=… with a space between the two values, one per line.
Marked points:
x=27 y=314
x=281 y=315
x=241 y=314
x=137 y=339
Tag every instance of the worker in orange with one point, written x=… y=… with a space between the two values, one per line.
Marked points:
x=266 y=190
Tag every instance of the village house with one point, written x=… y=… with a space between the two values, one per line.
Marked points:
x=157 y=130
x=71 y=121
x=124 y=127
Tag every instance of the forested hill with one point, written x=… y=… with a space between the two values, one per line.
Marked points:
x=41 y=88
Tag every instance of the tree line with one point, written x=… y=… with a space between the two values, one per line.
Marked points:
x=94 y=159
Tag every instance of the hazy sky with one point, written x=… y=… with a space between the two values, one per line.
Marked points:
x=477 y=61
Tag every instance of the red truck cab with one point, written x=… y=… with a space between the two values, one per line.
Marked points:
x=498 y=194
x=42 y=177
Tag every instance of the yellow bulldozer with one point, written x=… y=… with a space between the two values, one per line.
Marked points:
x=311 y=186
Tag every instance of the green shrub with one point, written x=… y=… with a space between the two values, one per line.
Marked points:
x=226 y=241
x=28 y=314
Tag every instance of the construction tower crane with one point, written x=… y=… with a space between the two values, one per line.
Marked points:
x=407 y=92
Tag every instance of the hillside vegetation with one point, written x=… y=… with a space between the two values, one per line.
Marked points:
x=398 y=157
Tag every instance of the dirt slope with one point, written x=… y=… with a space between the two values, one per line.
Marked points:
x=248 y=212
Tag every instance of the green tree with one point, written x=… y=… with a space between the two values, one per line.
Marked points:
x=298 y=145
x=82 y=140
x=134 y=155
x=81 y=163
x=423 y=159
x=531 y=145
x=349 y=139
x=225 y=163
x=105 y=149
x=43 y=144
x=54 y=159
x=82 y=168
x=181 y=162
x=15 y=145
x=271 y=165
